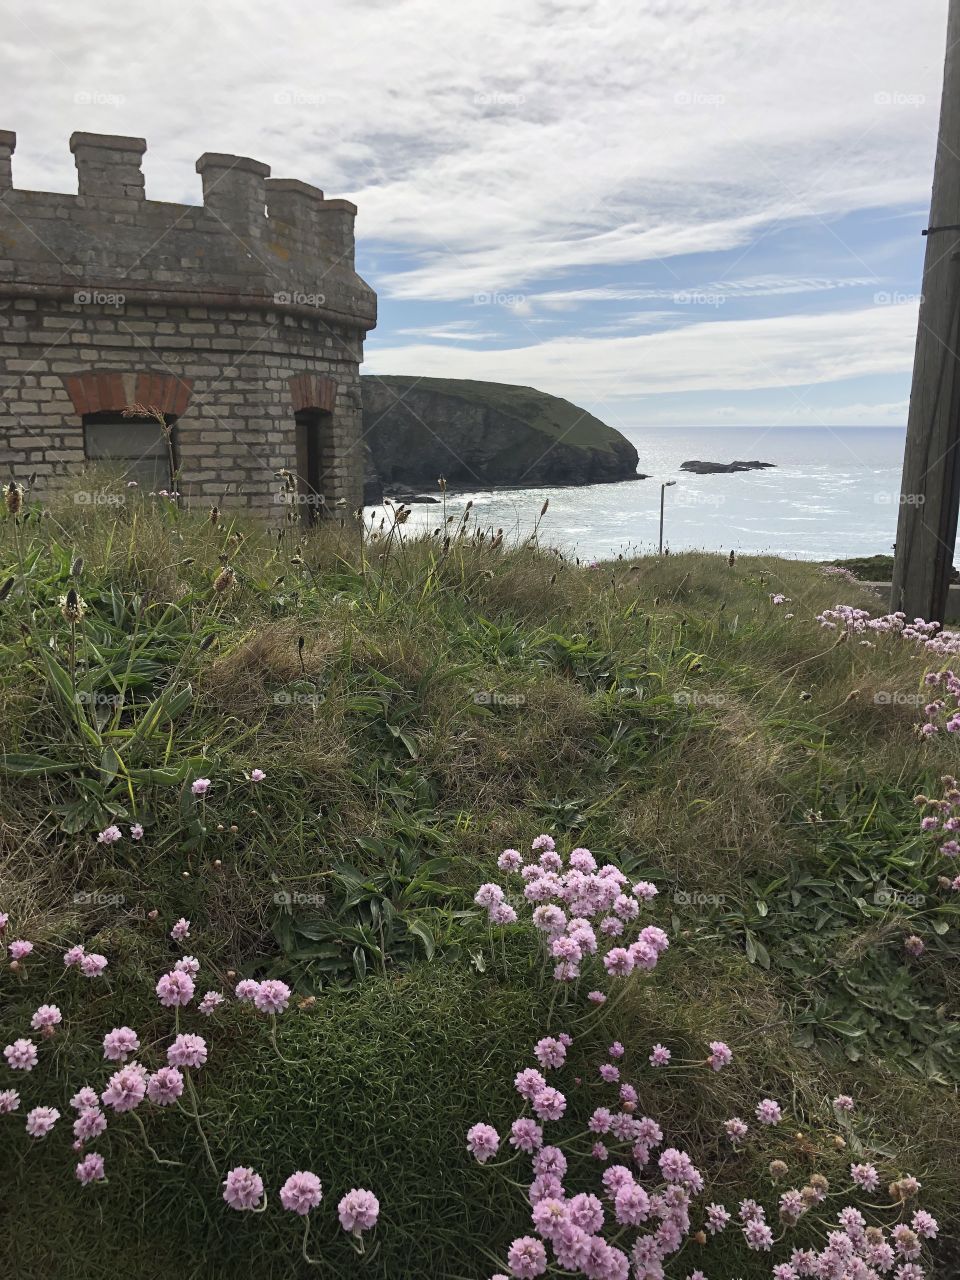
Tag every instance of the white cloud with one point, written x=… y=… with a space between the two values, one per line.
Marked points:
x=501 y=148
x=510 y=141
x=789 y=351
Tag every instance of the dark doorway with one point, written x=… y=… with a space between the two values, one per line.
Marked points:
x=314 y=461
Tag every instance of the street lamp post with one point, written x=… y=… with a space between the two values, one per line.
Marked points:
x=663 y=489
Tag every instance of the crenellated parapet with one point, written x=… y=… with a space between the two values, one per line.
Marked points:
x=255 y=240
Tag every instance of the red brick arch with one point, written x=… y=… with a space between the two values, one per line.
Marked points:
x=102 y=392
x=312 y=391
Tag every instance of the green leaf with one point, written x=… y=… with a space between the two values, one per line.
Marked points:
x=420 y=930
x=27 y=765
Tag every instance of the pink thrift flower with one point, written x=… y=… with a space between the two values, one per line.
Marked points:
x=246 y=989
x=632 y=1205
x=9 y=1101
x=211 y=1001
x=769 y=1112
x=126 y=1088
x=188 y=964
x=925 y=1224
x=914 y=946
x=90 y=1123
x=180 y=930
x=609 y=1073
x=583 y=860
x=502 y=913
x=92 y=965
x=843 y=1103
x=46 y=1018
x=865 y=1176
x=73 y=956
x=526 y=1134
x=200 y=786
x=510 y=860
x=758 y=1235
x=549 y=1103
x=618 y=962
x=136 y=831
x=301 y=1192
x=109 y=835
x=21 y=1055
x=175 y=988
x=599 y=1122
x=165 y=1086
x=4 y=921
x=905 y=1242
x=528 y=1082
x=717 y=1218
x=543 y=842
x=358 y=1211
x=272 y=996
x=597 y=997
x=243 y=1188
x=720 y=1055
x=616 y=1050
x=488 y=895
x=20 y=949
x=483 y=1142
x=550 y=1160
x=645 y=891
x=599 y=1151
x=736 y=1129
x=257 y=775
x=187 y=1051
x=41 y=1120
x=84 y=1098
x=120 y=1043
x=90 y=1169
x=659 y=1056
x=550 y=1052
x=527 y=1258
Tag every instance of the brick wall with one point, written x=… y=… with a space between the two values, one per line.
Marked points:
x=235 y=314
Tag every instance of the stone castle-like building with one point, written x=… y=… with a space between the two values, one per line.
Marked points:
x=240 y=320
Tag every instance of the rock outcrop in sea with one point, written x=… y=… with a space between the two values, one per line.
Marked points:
x=723 y=468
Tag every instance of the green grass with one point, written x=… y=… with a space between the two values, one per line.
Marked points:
x=869 y=568
x=660 y=711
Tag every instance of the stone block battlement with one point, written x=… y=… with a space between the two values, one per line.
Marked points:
x=254 y=241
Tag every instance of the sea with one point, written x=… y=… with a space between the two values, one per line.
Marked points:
x=832 y=492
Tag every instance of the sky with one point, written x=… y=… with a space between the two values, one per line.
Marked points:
x=674 y=213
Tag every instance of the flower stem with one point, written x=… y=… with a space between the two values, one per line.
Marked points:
x=196 y=1118
x=311 y=1262
x=146 y=1143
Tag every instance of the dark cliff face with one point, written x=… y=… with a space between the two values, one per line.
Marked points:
x=486 y=434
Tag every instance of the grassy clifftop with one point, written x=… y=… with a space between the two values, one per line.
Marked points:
x=552 y=416
x=487 y=434
x=416 y=708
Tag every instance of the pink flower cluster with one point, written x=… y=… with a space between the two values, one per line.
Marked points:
x=640 y=1213
x=270 y=996
x=855 y=621
x=584 y=913
x=111 y=834
x=243 y=1190
x=90 y=964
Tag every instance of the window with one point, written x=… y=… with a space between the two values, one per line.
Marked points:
x=136 y=446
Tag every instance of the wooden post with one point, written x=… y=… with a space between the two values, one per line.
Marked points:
x=930 y=488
